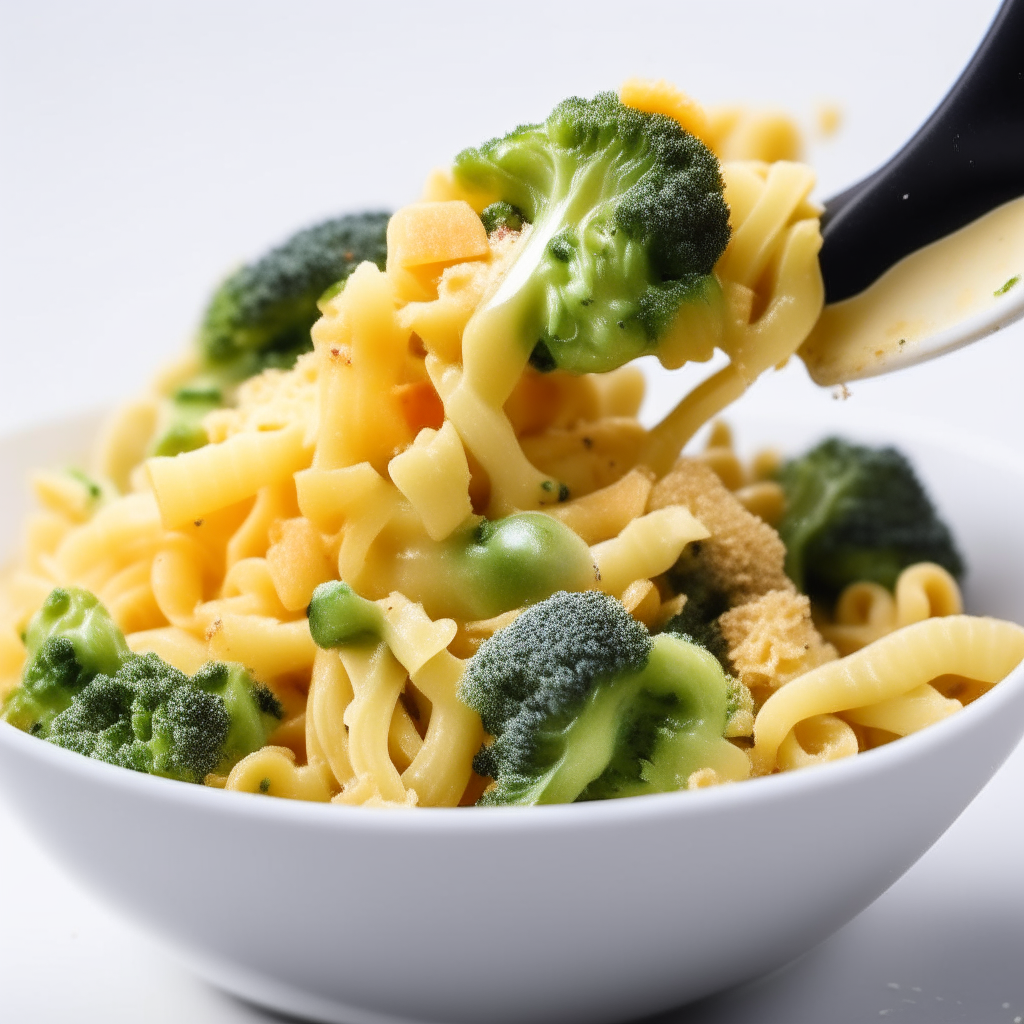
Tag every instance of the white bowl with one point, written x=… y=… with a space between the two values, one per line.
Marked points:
x=591 y=912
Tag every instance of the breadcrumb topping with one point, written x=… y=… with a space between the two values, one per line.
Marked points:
x=743 y=557
x=773 y=640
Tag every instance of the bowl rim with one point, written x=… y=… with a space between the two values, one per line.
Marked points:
x=552 y=817
x=544 y=817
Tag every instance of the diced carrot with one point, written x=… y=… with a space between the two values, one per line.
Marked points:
x=444 y=232
x=420 y=405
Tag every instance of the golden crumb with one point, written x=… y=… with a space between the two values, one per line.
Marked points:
x=772 y=639
x=828 y=119
x=704 y=778
x=587 y=456
x=743 y=557
x=269 y=401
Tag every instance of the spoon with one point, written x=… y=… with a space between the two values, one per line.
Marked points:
x=926 y=254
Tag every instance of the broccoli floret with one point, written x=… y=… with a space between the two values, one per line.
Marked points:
x=583 y=705
x=69 y=640
x=501 y=215
x=260 y=317
x=698 y=620
x=83 y=689
x=189 y=404
x=152 y=718
x=628 y=220
x=856 y=513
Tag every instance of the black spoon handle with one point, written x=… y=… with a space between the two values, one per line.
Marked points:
x=967 y=159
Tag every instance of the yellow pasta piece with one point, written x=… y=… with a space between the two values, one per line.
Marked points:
x=297 y=561
x=174 y=645
x=433 y=476
x=795 y=300
x=362 y=351
x=864 y=613
x=726 y=465
x=377 y=680
x=291 y=732
x=766 y=464
x=72 y=496
x=472 y=634
x=441 y=769
x=24 y=593
x=765 y=499
x=272 y=771
x=119 y=532
x=486 y=431
x=924 y=590
x=377 y=501
x=250 y=578
x=540 y=401
x=647 y=547
x=439 y=322
x=124 y=441
x=125 y=581
x=907 y=713
x=435 y=232
x=136 y=609
x=606 y=513
x=252 y=538
x=268 y=648
x=588 y=456
x=661 y=97
x=620 y=392
x=44 y=532
x=772 y=291
x=979 y=648
x=669 y=610
x=12 y=657
x=404 y=742
x=755 y=239
x=642 y=601
x=704 y=778
x=440 y=318
x=177 y=581
x=192 y=485
x=817 y=740
x=328 y=497
x=738 y=133
x=411 y=635
x=330 y=693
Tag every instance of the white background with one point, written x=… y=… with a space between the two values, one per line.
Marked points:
x=145 y=149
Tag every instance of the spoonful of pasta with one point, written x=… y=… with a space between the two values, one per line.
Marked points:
x=926 y=254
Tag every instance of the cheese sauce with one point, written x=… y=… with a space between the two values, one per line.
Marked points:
x=961 y=276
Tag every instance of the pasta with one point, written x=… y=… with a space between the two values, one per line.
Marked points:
x=380 y=463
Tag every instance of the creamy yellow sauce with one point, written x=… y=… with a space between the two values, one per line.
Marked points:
x=929 y=291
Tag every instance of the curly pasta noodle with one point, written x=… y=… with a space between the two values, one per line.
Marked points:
x=865 y=611
x=890 y=668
